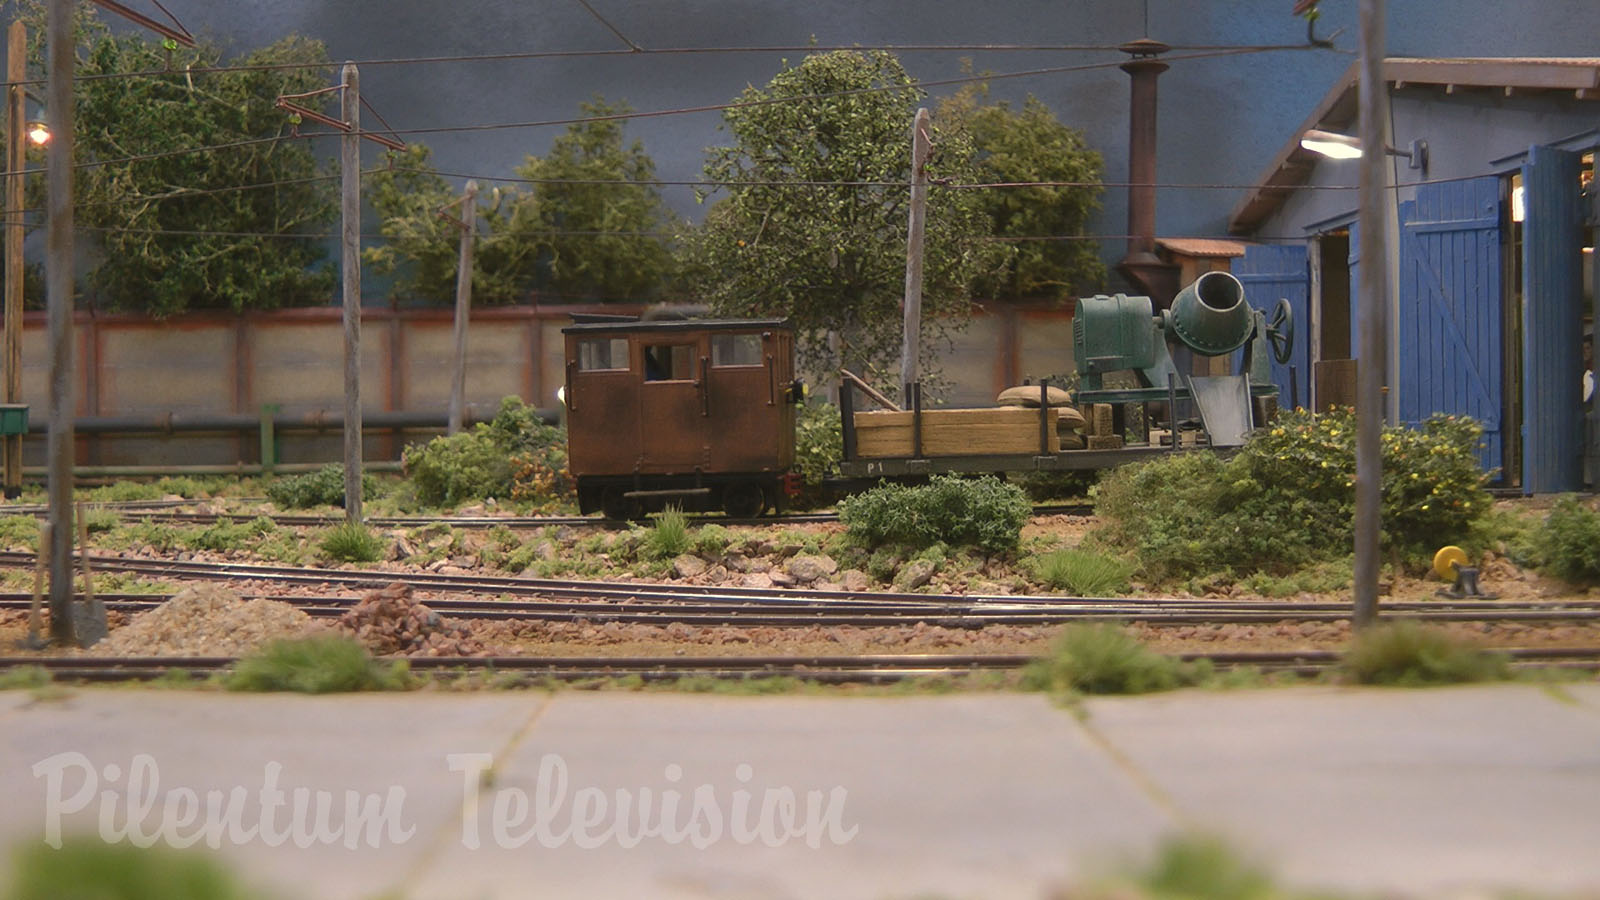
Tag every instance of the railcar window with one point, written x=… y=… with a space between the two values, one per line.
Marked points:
x=603 y=353
x=669 y=362
x=736 y=350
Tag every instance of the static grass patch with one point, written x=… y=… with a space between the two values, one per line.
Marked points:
x=352 y=542
x=1410 y=654
x=1104 y=659
x=323 y=664
x=88 y=869
x=1083 y=573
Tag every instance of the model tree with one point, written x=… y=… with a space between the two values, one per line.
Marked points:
x=810 y=216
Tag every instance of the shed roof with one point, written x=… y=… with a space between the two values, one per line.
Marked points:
x=1506 y=75
x=1212 y=248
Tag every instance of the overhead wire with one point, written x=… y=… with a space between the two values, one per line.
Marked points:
x=514 y=56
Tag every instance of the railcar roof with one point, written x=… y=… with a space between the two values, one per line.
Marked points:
x=675 y=325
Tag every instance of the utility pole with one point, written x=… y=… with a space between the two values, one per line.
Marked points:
x=458 y=369
x=350 y=233
x=911 y=344
x=58 y=271
x=16 y=161
x=1373 y=304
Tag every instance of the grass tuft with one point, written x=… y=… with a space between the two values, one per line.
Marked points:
x=1103 y=659
x=93 y=869
x=1203 y=868
x=352 y=542
x=24 y=678
x=1409 y=654
x=669 y=537
x=323 y=664
x=1084 y=573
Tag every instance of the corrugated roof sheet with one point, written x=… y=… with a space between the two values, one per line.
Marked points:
x=1203 y=247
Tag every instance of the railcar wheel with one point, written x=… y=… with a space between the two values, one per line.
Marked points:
x=614 y=505
x=744 y=500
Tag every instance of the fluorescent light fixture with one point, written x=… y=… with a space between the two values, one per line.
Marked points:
x=1343 y=146
x=1331 y=145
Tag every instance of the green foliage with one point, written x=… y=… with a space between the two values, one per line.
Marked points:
x=225 y=534
x=589 y=228
x=669 y=536
x=1317 y=578
x=323 y=664
x=90 y=869
x=1203 y=868
x=1567 y=542
x=1288 y=498
x=1409 y=654
x=831 y=257
x=1102 y=659
x=596 y=239
x=1031 y=145
x=1084 y=573
x=24 y=678
x=19 y=531
x=123 y=492
x=176 y=230
x=324 y=487
x=488 y=460
x=818 y=447
x=352 y=542
x=983 y=512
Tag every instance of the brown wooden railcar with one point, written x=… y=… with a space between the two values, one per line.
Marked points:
x=697 y=414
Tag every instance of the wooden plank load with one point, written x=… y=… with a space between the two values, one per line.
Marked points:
x=954 y=432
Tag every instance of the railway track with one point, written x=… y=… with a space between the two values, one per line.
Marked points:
x=507 y=598
x=822 y=669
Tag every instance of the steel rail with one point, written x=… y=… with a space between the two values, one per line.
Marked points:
x=833 y=669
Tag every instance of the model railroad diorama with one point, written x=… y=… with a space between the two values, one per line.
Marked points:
x=700 y=415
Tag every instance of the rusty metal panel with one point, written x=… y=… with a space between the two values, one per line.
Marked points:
x=602 y=408
x=674 y=419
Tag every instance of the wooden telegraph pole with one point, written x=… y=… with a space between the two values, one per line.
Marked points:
x=458 y=369
x=1372 y=310
x=350 y=230
x=58 y=277
x=911 y=343
x=16 y=161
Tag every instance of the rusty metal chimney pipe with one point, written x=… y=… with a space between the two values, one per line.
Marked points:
x=1141 y=264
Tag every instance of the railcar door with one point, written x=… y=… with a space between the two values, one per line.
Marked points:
x=673 y=437
x=747 y=386
x=602 y=405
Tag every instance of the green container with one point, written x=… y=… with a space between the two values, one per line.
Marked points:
x=1112 y=333
x=13 y=418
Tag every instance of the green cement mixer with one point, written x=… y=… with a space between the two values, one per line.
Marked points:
x=1211 y=318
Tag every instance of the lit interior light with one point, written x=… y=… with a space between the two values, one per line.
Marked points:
x=1519 y=208
x=1331 y=145
x=39 y=133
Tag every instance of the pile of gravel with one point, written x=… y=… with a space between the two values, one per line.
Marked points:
x=205 y=620
x=388 y=621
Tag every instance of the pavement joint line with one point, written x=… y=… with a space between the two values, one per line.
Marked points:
x=431 y=853
x=1144 y=783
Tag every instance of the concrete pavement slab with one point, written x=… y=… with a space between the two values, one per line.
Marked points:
x=974 y=795
x=1422 y=791
x=197 y=742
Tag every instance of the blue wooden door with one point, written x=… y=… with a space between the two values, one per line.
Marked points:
x=1273 y=272
x=1450 y=308
x=1552 y=313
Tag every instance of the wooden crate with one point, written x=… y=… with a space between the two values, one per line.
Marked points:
x=954 y=432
